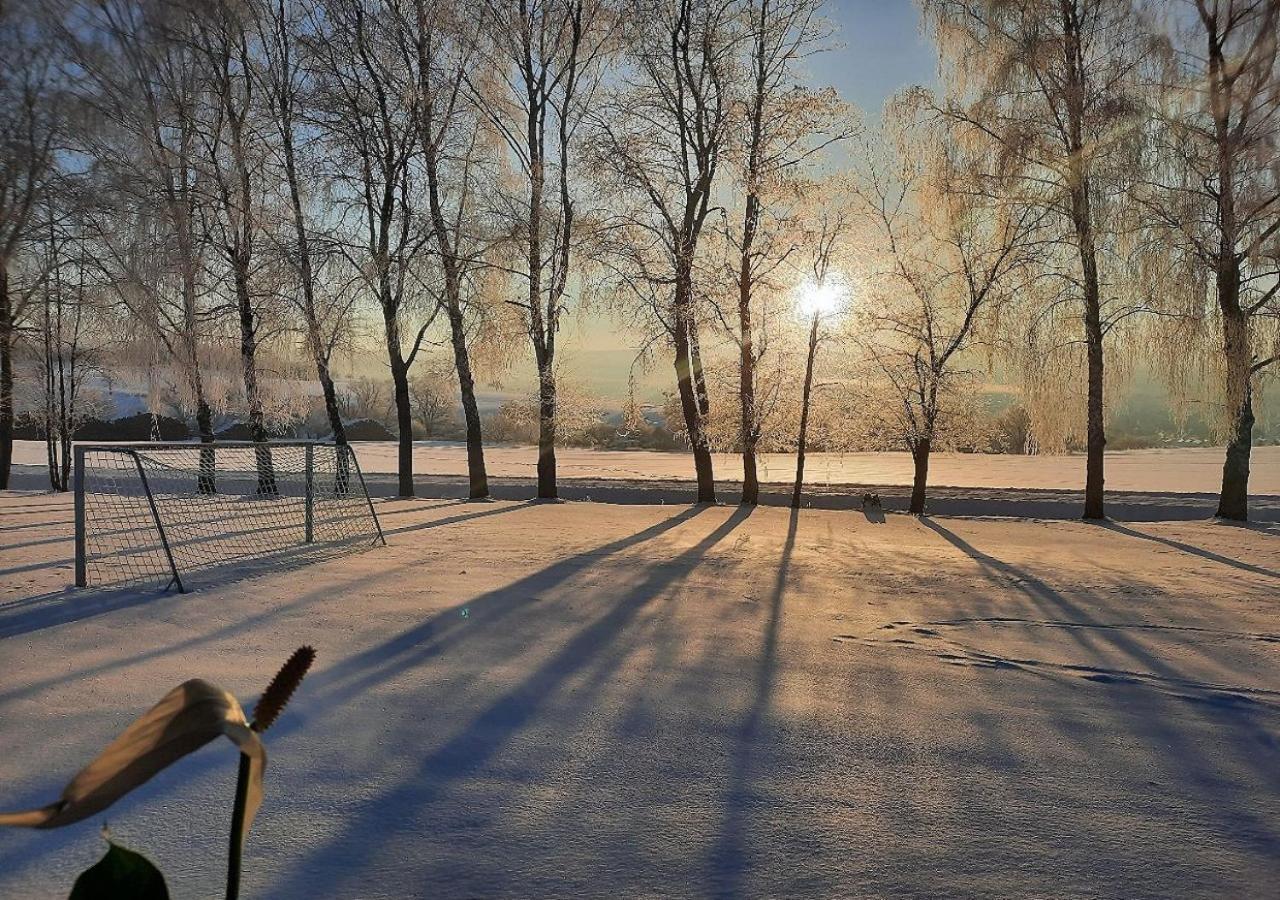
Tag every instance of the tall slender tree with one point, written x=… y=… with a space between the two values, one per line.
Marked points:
x=439 y=33
x=1212 y=196
x=284 y=83
x=138 y=83
x=29 y=129
x=543 y=65
x=663 y=136
x=786 y=123
x=230 y=129
x=368 y=110
x=1050 y=83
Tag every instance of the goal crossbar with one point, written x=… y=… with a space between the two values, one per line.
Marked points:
x=158 y=511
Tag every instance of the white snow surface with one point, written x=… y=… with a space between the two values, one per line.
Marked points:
x=586 y=700
x=1177 y=470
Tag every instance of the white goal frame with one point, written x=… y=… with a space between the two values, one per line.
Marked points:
x=134 y=450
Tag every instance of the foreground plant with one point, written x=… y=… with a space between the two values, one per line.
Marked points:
x=188 y=717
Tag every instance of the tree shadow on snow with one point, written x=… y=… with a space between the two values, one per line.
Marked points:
x=1156 y=708
x=1189 y=548
x=500 y=723
x=728 y=863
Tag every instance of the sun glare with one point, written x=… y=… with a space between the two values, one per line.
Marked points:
x=814 y=297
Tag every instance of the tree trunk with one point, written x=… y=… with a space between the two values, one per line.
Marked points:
x=1233 y=501
x=6 y=377
x=1075 y=91
x=404 y=426
x=804 y=414
x=1097 y=438
x=547 y=488
x=476 y=474
x=920 y=455
x=206 y=481
x=252 y=392
x=702 y=463
x=306 y=274
x=746 y=369
x=400 y=382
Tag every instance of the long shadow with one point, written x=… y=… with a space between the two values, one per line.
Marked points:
x=1190 y=548
x=727 y=863
x=451 y=520
x=498 y=724
x=358 y=672
x=1160 y=726
x=65 y=606
x=36 y=567
x=62 y=538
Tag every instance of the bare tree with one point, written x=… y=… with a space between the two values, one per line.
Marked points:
x=369 y=110
x=543 y=65
x=450 y=139
x=138 y=80
x=949 y=254
x=663 y=134
x=821 y=295
x=230 y=132
x=1213 y=200
x=69 y=327
x=284 y=81
x=29 y=128
x=1052 y=88
x=786 y=123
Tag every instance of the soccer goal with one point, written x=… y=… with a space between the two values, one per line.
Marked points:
x=156 y=512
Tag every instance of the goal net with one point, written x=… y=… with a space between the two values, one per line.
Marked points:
x=160 y=513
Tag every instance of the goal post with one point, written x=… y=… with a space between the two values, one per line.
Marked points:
x=160 y=512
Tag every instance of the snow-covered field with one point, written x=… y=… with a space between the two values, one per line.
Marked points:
x=589 y=700
x=1142 y=485
x=1184 y=469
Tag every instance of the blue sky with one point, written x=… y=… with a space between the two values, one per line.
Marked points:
x=881 y=50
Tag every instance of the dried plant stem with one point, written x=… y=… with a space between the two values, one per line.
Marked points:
x=237 y=829
x=269 y=707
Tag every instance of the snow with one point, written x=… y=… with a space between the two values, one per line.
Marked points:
x=1142 y=485
x=522 y=700
x=1183 y=469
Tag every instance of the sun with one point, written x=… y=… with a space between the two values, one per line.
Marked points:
x=816 y=297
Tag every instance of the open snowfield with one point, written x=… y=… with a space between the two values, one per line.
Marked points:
x=1142 y=485
x=593 y=700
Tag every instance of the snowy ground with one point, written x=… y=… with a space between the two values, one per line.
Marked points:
x=613 y=701
x=1142 y=485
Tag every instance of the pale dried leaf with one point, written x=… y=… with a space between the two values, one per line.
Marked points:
x=187 y=718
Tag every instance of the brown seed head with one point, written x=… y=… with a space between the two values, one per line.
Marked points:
x=281 y=688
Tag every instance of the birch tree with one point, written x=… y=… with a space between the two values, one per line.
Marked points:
x=29 y=129
x=1049 y=83
x=234 y=200
x=138 y=81
x=947 y=254
x=368 y=110
x=786 y=122
x=286 y=86
x=439 y=33
x=543 y=65
x=1212 y=195
x=663 y=135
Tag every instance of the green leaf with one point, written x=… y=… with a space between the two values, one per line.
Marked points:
x=118 y=875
